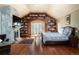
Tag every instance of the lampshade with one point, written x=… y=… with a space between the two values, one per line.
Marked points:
x=15 y=23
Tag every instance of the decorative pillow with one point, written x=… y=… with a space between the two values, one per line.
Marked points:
x=67 y=31
x=0 y=40
x=61 y=30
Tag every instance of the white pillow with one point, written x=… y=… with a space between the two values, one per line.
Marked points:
x=0 y=40
x=61 y=30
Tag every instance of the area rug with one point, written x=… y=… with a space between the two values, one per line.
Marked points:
x=26 y=41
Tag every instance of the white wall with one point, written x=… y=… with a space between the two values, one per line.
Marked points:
x=74 y=21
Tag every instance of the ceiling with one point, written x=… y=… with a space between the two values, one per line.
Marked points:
x=55 y=10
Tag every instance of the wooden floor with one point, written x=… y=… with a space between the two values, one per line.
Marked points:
x=34 y=49
x=23 y=49
x=60 y=50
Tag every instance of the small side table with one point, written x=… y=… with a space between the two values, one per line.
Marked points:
x=74 y=42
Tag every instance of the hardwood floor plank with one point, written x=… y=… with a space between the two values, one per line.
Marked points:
x=33 y=49
x=21 y=49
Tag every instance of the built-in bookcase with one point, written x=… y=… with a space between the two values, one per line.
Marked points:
x=24 y=28
x=50 y=23
x=52 y=26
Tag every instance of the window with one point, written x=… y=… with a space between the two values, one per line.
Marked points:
x=37 y=28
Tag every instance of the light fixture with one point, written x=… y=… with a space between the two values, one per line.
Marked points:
x=15 y=23
x=18 y=24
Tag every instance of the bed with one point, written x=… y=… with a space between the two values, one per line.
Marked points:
x=56 y=37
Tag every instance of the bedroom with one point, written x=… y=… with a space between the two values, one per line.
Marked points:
x=26 y=22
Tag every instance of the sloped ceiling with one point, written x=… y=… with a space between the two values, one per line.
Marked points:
x=24 y=9
x=55 y=10
x=61 y=10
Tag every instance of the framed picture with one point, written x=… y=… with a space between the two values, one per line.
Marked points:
x=68 y=19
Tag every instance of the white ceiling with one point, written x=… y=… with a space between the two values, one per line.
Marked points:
x=55 y=10
x=62 y=10
x=24 y=9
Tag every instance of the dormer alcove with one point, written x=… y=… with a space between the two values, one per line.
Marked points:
x=50 y=23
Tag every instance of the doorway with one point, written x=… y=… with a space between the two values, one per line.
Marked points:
x=37 y=27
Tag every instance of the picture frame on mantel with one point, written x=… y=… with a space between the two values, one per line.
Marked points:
x=68 y=19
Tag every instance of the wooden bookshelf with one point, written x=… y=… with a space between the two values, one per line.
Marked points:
x=52 y=26
x=50 y=23
x=24 y=29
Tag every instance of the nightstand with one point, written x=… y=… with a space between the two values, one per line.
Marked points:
x=74 y=42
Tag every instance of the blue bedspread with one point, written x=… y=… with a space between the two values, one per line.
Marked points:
x=55 y=36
